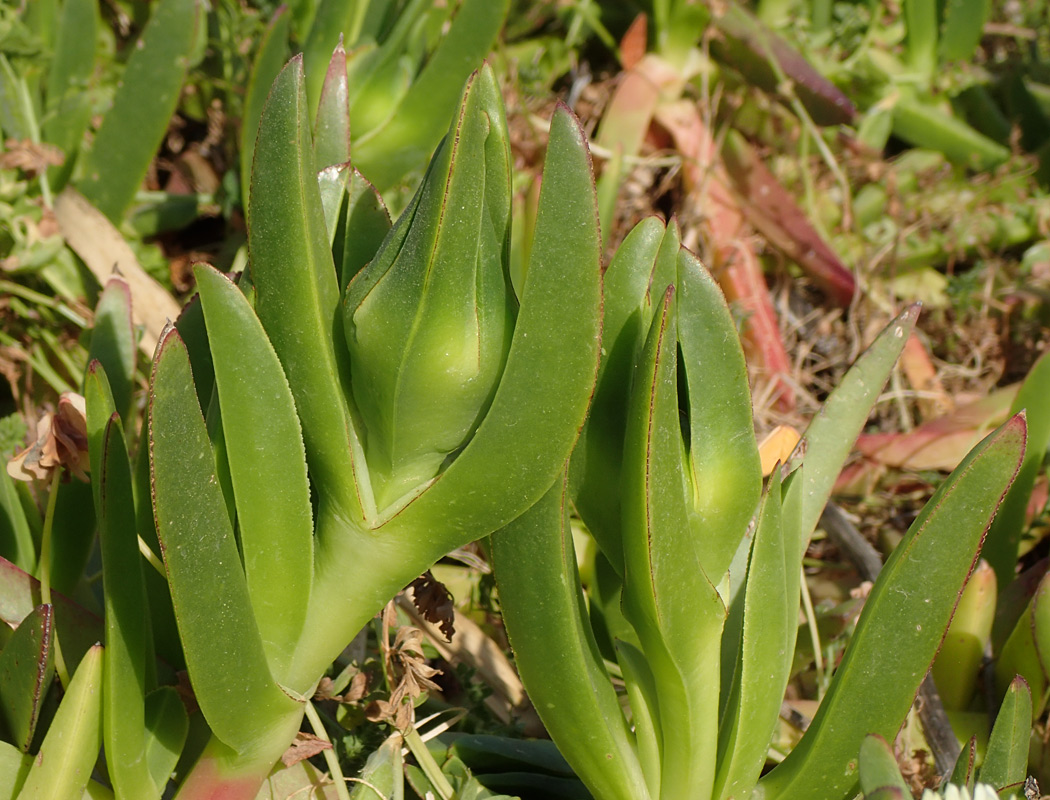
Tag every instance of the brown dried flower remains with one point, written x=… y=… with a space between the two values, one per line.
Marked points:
x=60 y=441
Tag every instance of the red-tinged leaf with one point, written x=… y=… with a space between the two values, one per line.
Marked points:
x=634 y=42
x=920 y=372
x=745 y=286
x=773 y=211
x=332 y=127
x=747 y=45
x=940 y=443
x=26 y=667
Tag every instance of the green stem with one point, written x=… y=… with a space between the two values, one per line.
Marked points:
x=45 y=572
x=329 y=753
x=428 y=764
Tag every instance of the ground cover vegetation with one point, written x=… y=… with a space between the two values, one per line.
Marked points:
x=524 y=399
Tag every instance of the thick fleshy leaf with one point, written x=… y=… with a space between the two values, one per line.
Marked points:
x=77 y=627
x=644 y=265
x=545 y=389
x=366 y=223
x=113 y=342
x=68 y=106
x=555 y=650
x=332 y=126
x=166 y=727
x=128 y=647
x=63 y=766
x=725 y=471
x=270 y=56
x=1000 y=549
x=14 y=767
x=906 y=614
x=1006 y=756
x=26 y=668
x=1026 y=651
x=297 y=298
x=767 y=644
x=878 y=767
x=336 y=21
x=405 y=143
x=142 y=107
x=224 y=651
x=965 y=771
x=16 y=540
x=428 y=322
x=830 y=436
x=668 y=598
x=264 y=447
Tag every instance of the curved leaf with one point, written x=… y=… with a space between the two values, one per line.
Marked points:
x=224 y=651
x=906 y=614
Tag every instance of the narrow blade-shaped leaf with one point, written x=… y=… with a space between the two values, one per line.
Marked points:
x=68 y=108
x=1006 y=756
x=546 y=384
x=365 y=224
x=830 y=436
x=767 y=646
x=63 y=766
x=269 y=58
x=133 y=128
x=128 y=647
x=725 y=473
x=674 y=608
x=297 y=298
x=332 y=127
x=406 y=142
x=166 y=727
x=113 y=342
x=270 y=486
x=1000 y=548
x=906 y=614
x=555 y=650
x=26 y=668
x=224 y=651
x=878 y=767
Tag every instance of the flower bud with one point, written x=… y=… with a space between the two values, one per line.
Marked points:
x=428 y=323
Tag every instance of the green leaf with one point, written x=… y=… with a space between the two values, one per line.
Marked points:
x=26 y=668
x=273 y=47
x=724 y=470
x=965 y=771
x=906 y=614
x=336 y=21
x=668 y=598
x=332 y=127
x=407 y=140
x=545 y=389
x=962 y=29
x=384 y=771
x=63 y=766
x=832 y=433
x=270 y=485
x=16 y=539
x=14 y=767
x=297 y=298
x=1000 y=548
x=428 y=322
x=128 y=645
x=878 y=767
x=166 y=726
x=113 y=342
x=1026 y=651
x=142 y=107
x=365 y=224
x=920 y=17
x=1006 y=756
x=68 y=110
x=643 y=266
x=78 y=628
x=555 y=650
x=923 y=124
x=224 y=651
x=766 y=647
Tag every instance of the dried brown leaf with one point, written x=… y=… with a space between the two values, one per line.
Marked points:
x=304 y=746
x=434 y=602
